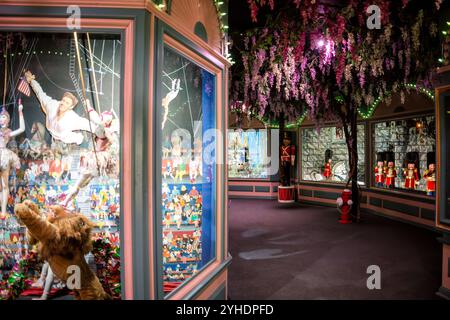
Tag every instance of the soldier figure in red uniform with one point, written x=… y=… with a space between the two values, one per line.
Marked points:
x=287 y=152
x=380 y=177
x=430 y=174
x=410 y=173
x=390 y=171
x=327 y=173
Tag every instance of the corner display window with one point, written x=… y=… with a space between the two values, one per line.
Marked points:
x=60 y=151
x=188 y=170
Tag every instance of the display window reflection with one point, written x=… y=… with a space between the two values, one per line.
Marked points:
x=188 y=168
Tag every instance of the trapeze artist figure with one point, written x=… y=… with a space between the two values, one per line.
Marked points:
x=61 y=121
x=169 y=97
x=8 y=159
x=103 y=160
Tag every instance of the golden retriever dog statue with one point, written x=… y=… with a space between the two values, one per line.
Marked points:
x=63 y=240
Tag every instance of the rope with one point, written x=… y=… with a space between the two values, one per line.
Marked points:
x=6 y=74
x=84 y=96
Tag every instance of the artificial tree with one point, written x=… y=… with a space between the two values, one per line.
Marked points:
x=327 y=60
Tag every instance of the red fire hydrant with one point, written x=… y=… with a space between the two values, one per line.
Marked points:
x=344 y=205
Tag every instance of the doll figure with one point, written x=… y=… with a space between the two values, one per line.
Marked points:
x=287 y=152
x=430 y=174
x=8 y=159
x=410 y=173
x=390 y=172
x=181 y=170
x=327 y=173
x=380 y=177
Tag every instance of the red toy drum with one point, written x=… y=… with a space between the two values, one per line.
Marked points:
x=286 y=194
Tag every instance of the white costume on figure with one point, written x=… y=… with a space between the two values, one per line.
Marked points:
x=62 y=128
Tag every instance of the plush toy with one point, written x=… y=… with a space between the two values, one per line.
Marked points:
x=64 y=240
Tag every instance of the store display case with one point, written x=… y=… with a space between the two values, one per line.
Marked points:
x=324 y=155
x=442 y=93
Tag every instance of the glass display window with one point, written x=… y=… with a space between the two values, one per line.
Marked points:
x=188 y=190
x=248 y=154
x=404 y=154
x=325 y=155
x=60 y=145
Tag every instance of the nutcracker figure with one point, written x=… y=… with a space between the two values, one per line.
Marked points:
x=380 y=177
x=390 y=171
x=287 y=152
x=344 y=205
x=327 y=173
x=430 y=174
x=410 y=173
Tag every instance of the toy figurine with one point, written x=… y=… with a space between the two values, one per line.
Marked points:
x=344 y=205
x=410 y=173
x=287 y=152
x=430 y=174
x=172 y=94
x=390 y=171
x=379 y=170
x=8 y=159
x=327 y=172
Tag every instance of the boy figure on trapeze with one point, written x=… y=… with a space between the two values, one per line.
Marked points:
x=61 y=121
x=103 y=160
x=8 y=159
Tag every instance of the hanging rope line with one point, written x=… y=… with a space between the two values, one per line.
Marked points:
x=93 y=73
x=84 y=96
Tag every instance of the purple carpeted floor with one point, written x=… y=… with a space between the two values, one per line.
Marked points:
x=302 y=252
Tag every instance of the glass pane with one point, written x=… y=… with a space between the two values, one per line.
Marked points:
x=248 y=154
x=318 y=147
x=66 y=151
x=188 y=171
x=404 y=154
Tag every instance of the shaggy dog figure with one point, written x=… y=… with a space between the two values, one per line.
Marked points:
x=63 y=241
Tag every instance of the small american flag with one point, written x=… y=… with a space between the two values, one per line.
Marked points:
x=24 y=87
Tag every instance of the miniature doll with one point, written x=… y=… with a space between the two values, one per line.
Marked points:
x=390 y=172
x=430 y=174
x=327 y=173
x=287 y=152
x=380 y=177
x=410 y=173
x=8 y=159
x=193 y=169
